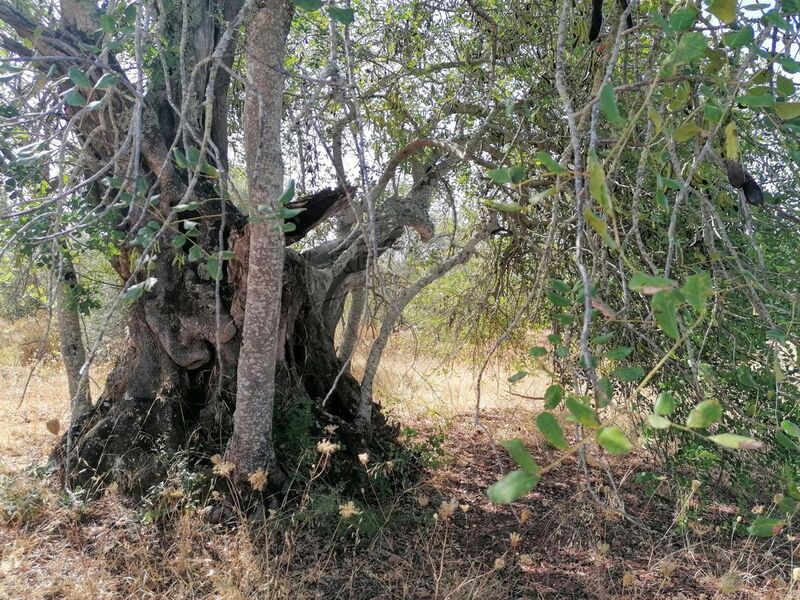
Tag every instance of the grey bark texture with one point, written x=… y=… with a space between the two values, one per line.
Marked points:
x=352 y=327
x=70 y=337
x=250 y=446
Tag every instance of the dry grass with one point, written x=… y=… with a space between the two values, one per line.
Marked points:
x=28 y=400
x=438 y=538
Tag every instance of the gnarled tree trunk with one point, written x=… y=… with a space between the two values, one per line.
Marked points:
x=175 y=386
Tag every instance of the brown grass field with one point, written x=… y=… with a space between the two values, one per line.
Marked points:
x=438 y=537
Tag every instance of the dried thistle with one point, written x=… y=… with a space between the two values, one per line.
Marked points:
x=447 y=509
x=222 y=467
x=348 y=510
x=327 y=447
x=258 y=480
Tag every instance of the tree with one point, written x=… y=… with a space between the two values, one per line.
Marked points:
x=231 y=335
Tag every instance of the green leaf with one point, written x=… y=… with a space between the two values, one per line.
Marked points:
x=582 y=413
x=107 y=81
x=681 y=20
x=213 y=268
x=521 y=456
x=776 y=335
x=193 y=156
x=195 y=253
x=553 y=396
x=737 y=442
x=766 y=527
x=665 y=309
x=505 y=207
x=558 y=300
x=773 y=17
x=724 y=10
x=600 y=227
x=74 y=98
x=554 y=338
x=517 y=174
x=537 y=351
x=738 y=39
x=628 y=373
x=309 y=5
x=756 y=101
x=79 y=78
x=186 y=206
x=665 y=404
x=620 y=353
x=686 y=131
x=704 y=414
x=504 y=175
x=650 y=284
x=345 y=16
x=745 y=376
x=614 y=440
x=287 y=195
x=551 y=165
x=609 y=106
x=107 y=24
x=601 y=340
x=787 y=110
x=135 y=292
x=178 y=241
x=691 y=47
x=560 y=286
x=289 y=213
x=551 y=431
x=597 y=184
x=180 y=158
x=787 y=505
x=658 y=422
x=697 y=290
x=789 y=64
x=785 y=86
x=517 y=376
x=791 y=429
x=784 y=441
x=512 y=486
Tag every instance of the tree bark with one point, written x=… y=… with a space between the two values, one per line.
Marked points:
x=250 y=447
x=352 y=328
x=70 y=336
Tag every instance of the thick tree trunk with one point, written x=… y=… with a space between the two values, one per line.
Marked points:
x=250 y=447
x=175 y=387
